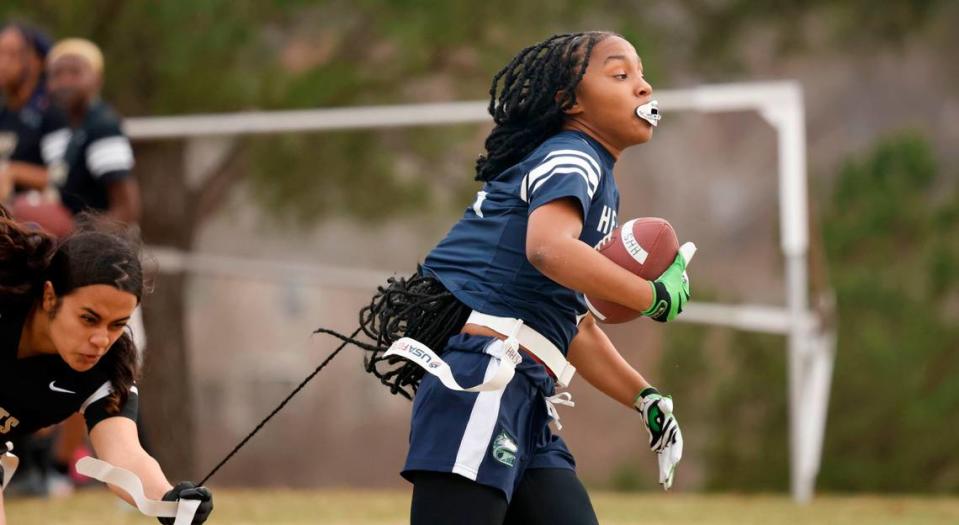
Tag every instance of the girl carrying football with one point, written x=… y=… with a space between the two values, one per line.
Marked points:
x=498 y=305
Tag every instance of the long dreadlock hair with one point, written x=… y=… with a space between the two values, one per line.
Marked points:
x=417 y=306
x=529 y=97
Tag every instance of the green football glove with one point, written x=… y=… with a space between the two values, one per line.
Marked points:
x=665 y=438
x=671 y=289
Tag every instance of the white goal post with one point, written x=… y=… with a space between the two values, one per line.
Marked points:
x=811 y=345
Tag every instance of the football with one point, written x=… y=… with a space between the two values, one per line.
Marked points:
x=36 y=210
x=646 y=247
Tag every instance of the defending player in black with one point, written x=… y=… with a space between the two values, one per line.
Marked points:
x=64 y=306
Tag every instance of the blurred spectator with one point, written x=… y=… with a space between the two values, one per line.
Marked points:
x=25 y=114
x=90 y=164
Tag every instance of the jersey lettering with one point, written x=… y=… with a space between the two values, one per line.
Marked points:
x=7 y=421
x=607 y=221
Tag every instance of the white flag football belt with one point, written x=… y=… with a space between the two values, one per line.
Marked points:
x=531 y=340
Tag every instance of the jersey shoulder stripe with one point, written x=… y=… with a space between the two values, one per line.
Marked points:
x=105 y=390
x=109 y=154
x=559 y=162
x=577 y=153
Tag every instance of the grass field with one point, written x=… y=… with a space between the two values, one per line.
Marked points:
x=243 y=507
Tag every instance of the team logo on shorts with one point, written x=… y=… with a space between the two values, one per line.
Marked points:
x=505 y=449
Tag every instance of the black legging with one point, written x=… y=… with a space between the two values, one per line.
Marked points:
x=544 y=496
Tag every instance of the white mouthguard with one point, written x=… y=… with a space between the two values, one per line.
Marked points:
x=649 y=112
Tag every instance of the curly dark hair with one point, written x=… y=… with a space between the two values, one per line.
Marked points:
x=529 y=97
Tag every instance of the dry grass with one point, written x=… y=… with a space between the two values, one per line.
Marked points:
x=287 y=507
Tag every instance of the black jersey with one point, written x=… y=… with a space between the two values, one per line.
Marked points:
x=22 y=131
x=43 y=390
x=85 y=160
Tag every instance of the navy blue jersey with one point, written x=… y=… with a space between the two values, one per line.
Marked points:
x=482 y=260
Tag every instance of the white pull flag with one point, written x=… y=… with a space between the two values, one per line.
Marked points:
x=182 y=510
x=420 y=354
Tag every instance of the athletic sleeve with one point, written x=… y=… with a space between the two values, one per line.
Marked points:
x=563 y=173
x=109 y=154
x=54 y=137
x=94 y=409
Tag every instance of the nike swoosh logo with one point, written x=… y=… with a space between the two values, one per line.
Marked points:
x=58 y=389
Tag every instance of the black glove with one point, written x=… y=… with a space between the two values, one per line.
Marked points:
x=187 y=490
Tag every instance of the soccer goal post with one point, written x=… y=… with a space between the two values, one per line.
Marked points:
x=811 y=346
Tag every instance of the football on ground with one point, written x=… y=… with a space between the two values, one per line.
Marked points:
x=646 y=247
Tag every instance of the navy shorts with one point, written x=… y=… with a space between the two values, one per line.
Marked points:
x=489 y=437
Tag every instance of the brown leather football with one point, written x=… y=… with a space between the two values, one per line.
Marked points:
x=646 y=247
